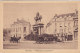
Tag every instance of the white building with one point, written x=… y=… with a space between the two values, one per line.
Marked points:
x=20 y=28
x=63 y=24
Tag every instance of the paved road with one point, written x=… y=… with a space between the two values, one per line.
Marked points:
x=33 y=45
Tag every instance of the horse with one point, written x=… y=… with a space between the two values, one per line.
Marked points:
x=15 y=39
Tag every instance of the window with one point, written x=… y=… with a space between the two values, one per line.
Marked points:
x=24 y=29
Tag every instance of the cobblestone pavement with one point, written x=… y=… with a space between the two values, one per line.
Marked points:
x=33 y=45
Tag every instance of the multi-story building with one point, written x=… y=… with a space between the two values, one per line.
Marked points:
x=20 y=28
x=75 y=27
x=65 y=24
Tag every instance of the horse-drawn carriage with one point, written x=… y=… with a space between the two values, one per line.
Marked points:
x=15 y=39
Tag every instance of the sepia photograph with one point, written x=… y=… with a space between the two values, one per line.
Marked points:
x=40 y=25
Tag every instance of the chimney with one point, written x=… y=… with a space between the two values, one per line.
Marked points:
x=76 y=11
x=17 y=19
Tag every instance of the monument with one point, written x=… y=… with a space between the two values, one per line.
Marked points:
x=38 y=26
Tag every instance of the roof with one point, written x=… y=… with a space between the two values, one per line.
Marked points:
x=68 y=14
x=20 y=22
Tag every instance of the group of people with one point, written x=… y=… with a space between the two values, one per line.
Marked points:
x=56 y=38
x=15 y=39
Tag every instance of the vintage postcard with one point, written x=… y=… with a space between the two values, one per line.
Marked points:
x=40 y=27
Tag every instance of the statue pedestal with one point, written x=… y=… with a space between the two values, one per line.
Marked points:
x=37 y=28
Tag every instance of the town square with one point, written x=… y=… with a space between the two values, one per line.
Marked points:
x=40 y=26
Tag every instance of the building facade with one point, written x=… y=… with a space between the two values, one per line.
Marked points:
x=64 y=24
x=20 y=28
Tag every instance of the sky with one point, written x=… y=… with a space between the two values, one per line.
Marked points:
x=27 y=11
